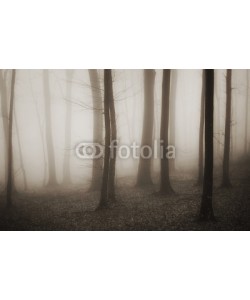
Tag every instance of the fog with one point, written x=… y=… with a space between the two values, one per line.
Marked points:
x=30 y=120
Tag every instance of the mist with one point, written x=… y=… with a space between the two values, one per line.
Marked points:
x=54 y=112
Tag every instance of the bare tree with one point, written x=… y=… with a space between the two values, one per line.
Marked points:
x=5 y=118
x=97 y=127
x=165 y=187
x=201 y=132
x=144 y=170
x=172 y=125
x=68 y=129
x=104 y=199
x=246 y=114
x=10 y=177
x=50 y=147
x=111 y=184
x=20 y=154
x=225 y=176
x=206 y=211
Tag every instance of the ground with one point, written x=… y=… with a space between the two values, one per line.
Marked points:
x=135 y=209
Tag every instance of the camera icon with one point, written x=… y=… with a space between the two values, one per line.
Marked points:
x=89 y=150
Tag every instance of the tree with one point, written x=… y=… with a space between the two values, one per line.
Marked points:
x=246 y=114
x=144 y=170
x=68 y=126
x=201 y=132
x=97 y=127
x=165 y=187
x=10 y=146
x=20 y=153
x=5 y=117
x=225 y=176
x=173 y=92
x=48 y=129
x=111 y=183
x=104 y=199
x=206 y=211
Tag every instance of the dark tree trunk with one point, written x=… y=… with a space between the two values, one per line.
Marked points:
x=5 y=118
x=201 y=132
x=165 y=187
x=144 y=170
x=10 y=177
x=104 y=200
x=111 y=184
x=225 y=176
x=173 y=92
x=50 y=148
x=206 y=211
x=97 y=127
x=68 y=126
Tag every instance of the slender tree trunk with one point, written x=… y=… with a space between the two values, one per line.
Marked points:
x=104 y=200
x=20 y=153
x=201 y=132
x=40 y=130
x=97 y=127
x=5 y=117
x=50 y=148
x=144 y=171
x=246 y=116
x=165 y=187
x=10 y=177
x=225 y=177
x=173 y=92
x=206 y=212
x=68 y=129
x=111 y=183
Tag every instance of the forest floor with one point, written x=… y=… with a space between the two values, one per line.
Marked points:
x=135 y=208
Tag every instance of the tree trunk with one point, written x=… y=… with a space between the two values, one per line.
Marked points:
x=225 y=177
x=165 y=187
x=50 y=148
x=246 y=117
x=144 y=170
x=201 y=132
x=97 y=127
x=68 y=126
x=4 y=109
x=10 y=177
x=173 y=92
x=111 y=184
x=20 y=154
x=104 y=200
x=206 y=212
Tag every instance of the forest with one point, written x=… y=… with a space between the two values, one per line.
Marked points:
x=124 y=149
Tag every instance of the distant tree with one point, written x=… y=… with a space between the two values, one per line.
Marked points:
x=10 y=177
x=225 y=176
x=5 y=117
x=206 y=211
x=20 y=154
x=104 y=199
x=201 y=131
x=144 y=170
x=68 y=129
x=172 y=125
x=52 y=180
x=97 y=127
x=165 y=187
